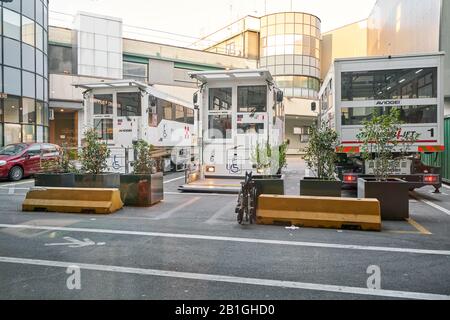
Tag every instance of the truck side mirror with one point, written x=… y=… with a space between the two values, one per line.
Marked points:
x=280 y=96
x=195 y=98
x=313 y=106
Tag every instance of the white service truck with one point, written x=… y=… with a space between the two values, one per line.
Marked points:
x=356 y=89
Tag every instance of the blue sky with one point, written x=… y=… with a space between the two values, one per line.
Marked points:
x=200 y=17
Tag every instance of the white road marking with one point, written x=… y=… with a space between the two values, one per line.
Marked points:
x=431 y=204
x=176 y=179
x=215 y=218
x=446 y=186
x=231 y=239
x=3 y=186
x=168 y=214
x=74 y=243
x=230 y=279
x=193 y=194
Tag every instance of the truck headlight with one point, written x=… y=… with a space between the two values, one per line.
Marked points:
x=2 y=163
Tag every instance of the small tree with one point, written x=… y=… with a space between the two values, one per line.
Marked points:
x=143 y=164
x=94 y=153
x=60 y=164
x=379 y=137
x=320 y=154
x=266 y=157
x=282 y=157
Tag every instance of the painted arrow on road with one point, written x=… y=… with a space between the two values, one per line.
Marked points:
x=74 y=243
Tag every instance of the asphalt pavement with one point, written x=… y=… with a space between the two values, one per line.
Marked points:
x=190 y=247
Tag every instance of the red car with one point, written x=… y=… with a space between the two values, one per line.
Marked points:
x=24 y=159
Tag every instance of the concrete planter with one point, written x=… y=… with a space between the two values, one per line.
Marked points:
x=99 y=181
x=269 y=184
x=141 y=190
x=315 y=187
x=273 y=184
x=392 y=194
x=55 y=180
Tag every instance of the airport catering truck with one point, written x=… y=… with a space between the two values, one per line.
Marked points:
x=356 y=89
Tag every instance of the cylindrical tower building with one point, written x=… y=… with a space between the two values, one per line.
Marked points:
x=290 y=49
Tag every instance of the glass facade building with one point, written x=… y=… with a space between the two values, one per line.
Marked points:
x=23 y=71
x=290 y=49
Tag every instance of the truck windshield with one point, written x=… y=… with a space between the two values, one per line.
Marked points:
x=12 y=150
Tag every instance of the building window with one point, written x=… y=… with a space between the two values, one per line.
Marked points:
x=11 y=24
x=39 y=37
x=179 y=113
x=29 y=84
x=166 y=108
x=219 y=126
x=104 y=128
x=28 y=31
x=60 y=59
x=250 y=128
x=190 y=116
x=39 y=12
x=135 y=71
x=408 y=114
x=11 y=110
x=28 y=8
x=28 y=111
x=103 y=104
x=11 y=53
x=13 y=133
x=28 y=58
x=389 y=84
x=220 y=99
x=39 y=112
x=40 y=134
x=39 y=62
x=28 y=133
x=252 y=99
x=129 y=104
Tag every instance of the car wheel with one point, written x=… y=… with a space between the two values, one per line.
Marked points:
x=16 y=174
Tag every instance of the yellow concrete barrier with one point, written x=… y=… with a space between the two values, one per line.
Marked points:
x=320 y=212
x=73 y=200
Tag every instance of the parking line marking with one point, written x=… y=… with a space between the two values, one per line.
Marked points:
x=193 y=194
x=431 y=204
x=3 y=186
x=231 y=239
x=176 y=179
x=215 y=218
x=419 y=227
x=230 y=279
x=168 y=214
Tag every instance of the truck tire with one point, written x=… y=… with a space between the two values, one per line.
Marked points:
x=15 y=173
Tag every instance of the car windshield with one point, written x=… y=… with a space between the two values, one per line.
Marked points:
x=12 y=150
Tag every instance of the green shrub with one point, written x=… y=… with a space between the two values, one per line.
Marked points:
x=94 y=153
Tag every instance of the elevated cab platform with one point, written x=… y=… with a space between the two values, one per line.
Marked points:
x=213 y=185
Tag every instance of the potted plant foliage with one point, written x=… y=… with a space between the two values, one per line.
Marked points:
x=93 y=156
x=282 y=156
x=320 y=157
x=144 y=187
x=379 y=137
x=57 y=170
x=268 y=179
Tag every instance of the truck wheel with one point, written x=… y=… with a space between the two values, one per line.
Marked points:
x=16 y=173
